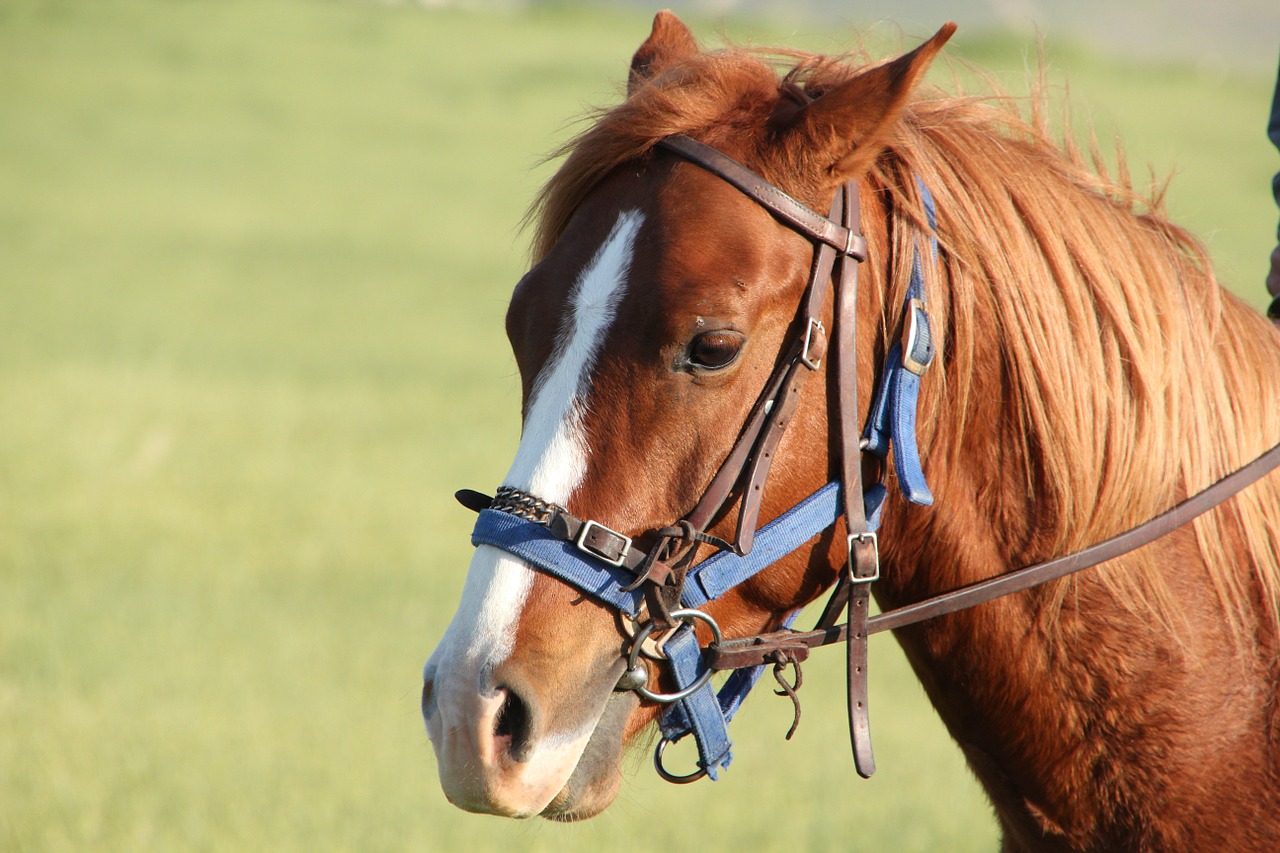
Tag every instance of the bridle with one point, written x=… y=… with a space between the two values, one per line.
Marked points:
x=661 y=588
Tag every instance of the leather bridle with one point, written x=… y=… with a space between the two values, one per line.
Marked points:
x=662 y=586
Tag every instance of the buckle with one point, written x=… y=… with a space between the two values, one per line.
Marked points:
x=603 y=551
x=917 y=338
x=812 y=364
x=875 y=551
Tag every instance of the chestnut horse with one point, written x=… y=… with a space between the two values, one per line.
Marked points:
x=1090 y=374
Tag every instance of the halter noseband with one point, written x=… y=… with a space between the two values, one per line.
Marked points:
x=665 y=581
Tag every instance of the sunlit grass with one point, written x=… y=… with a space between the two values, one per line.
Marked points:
x=253 y=263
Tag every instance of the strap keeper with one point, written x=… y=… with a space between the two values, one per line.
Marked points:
x=854 y=564
x=855 y=245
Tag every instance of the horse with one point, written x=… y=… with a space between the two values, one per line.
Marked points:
x=1089 y=374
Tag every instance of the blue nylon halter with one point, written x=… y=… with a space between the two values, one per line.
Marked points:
x=706 y=713
x=893 y=418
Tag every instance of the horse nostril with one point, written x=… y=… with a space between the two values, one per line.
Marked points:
x=428 y=697
x=512 y=723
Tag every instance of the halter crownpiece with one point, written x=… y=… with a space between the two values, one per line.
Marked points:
x=666 y=586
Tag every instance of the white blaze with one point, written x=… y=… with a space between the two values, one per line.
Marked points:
x=550 y=462
x=552 y=458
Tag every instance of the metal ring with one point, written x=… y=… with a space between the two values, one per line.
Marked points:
x=633 y=659
x=671 y=777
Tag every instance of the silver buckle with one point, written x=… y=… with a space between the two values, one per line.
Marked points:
x=875 y=548
x=582 y=546
x=916 y=311
x=808 y=339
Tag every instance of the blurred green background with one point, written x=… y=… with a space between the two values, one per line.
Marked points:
x=251 y=340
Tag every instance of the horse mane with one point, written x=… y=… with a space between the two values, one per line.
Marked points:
x=1132 y=379
x=1135 y=379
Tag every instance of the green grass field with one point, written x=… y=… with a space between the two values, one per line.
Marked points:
x=251 y=341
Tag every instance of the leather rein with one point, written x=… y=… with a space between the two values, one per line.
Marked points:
x=660 y=588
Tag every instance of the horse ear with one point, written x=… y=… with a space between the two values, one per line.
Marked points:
x=669 y=42
x=850 y=123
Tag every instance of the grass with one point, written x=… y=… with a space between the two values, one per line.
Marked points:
x=253 y=263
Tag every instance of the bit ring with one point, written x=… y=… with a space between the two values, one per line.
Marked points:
x=633 y=661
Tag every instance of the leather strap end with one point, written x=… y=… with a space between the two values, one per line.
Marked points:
x=859 y=722
x=473 y=500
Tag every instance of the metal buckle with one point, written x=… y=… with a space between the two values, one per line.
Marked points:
x=581 y=542
x=917 y=334
x=875 y=549
x=808 y=339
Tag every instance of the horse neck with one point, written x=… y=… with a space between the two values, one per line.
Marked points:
x=1018 y=681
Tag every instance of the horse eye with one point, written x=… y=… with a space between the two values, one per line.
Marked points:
x=714 y=350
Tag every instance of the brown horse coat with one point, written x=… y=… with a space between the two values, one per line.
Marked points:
x=1092 y=374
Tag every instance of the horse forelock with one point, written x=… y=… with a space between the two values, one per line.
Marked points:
x=721 y=95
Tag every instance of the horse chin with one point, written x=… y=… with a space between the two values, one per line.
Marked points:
x=595 y=780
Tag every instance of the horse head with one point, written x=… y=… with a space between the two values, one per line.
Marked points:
x=661 y=303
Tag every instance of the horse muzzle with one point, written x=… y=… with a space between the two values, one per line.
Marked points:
x=494 y=752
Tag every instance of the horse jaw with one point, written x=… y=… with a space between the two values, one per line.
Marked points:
x=594 y=782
